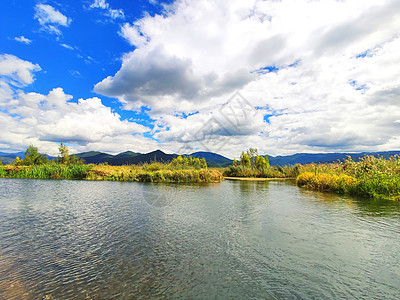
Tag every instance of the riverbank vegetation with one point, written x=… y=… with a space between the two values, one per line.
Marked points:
x=180 y=169
x=253 y=165
x=371 y=176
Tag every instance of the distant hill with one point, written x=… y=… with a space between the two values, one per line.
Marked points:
x=7 y=158
x=123 y=158
x=213 y=159
x=129 y=158
x=306 y=158
x=94 y=157
x=157 y=155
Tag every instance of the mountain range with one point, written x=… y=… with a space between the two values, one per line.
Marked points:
x=213 y=159
x=129 y=157
x=306 y=158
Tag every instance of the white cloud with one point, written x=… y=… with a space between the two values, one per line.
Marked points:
x=132 y=35
x=324 y=73
x=50 y=18
x=75 y=73
x=67 y=46
x=110 y=12
x=17 y=71
x=45 y=120
x=23 y=40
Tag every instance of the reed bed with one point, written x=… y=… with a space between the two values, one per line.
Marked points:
x=154 y=172
x=268 y=172
x=373 y=177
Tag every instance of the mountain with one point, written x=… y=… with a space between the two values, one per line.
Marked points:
x=213 y=159
x=94 y=157
x=306 y=158
x=157 y=155
x=7 y=158
x=123 y=158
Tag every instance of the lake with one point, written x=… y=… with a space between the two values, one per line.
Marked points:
x=232 y=240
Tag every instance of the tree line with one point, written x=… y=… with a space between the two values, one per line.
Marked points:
x=33 y=157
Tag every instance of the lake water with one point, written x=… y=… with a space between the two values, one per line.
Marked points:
x=238 y=240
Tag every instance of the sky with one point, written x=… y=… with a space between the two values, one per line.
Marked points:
x=182 y=76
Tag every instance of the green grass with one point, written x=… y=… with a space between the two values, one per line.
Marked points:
x=369 y=177
x=46 y=171
x=269 y=172
x=154 y=172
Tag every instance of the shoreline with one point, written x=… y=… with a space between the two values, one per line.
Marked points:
x=256 y=178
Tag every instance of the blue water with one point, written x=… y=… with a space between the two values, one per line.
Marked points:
x=233 y=240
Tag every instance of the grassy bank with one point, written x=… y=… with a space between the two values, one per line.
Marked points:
x=369 y=177
x=155 y=172
x=264 y=172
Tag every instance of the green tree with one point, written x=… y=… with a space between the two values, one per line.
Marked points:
x=33 y=157
x=235 y=162
x=203 y=163
x=261 y=163
x=63 y=154
x=266 y=160
x=245 y=160
x=178 y=161
x=252 y=153
x=17 y=161
x=74 y=160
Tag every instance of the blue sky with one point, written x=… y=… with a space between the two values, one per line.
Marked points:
x=181 y=76
x=86 y=51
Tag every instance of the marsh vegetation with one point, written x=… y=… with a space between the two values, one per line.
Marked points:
x=371 y=176
x=180 y=169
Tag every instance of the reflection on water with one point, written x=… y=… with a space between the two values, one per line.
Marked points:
x=358 y=205
x=237 y=239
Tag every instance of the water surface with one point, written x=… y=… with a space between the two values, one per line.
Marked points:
x=237 y=239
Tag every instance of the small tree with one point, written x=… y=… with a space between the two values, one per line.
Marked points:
x=74 y=160
x=266 y=161
x=17 y=161
x=203 y=163
x=177 y=161
x=33 y=157
x=63 y=154
x=235 y=162
x=261 y=163
x=252 y=153
x=245 y=160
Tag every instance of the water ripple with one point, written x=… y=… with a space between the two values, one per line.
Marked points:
x=256 y=240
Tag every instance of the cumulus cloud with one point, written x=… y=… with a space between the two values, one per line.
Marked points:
x=323 y=75
x=110 y=12
x=50 y=18
x=23 y=40
x=45 y=120
x=17 y=71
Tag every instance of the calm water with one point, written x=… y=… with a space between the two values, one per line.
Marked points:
x=253 y=240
